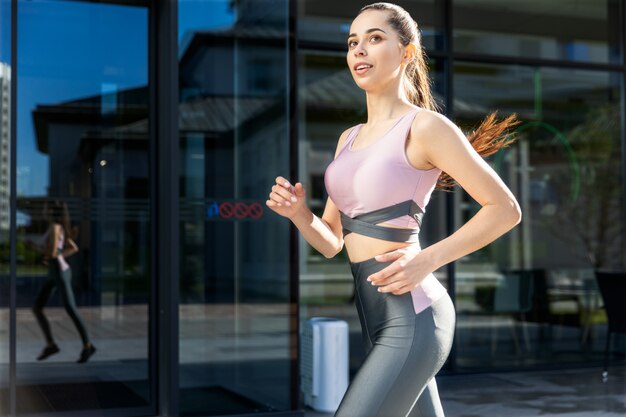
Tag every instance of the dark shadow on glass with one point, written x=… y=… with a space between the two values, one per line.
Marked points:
x=613 y=289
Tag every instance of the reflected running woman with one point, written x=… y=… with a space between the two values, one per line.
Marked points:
x=58 y=246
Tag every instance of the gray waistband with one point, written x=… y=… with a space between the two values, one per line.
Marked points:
x=364 y=224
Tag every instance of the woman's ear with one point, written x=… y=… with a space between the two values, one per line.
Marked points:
x=410 y=51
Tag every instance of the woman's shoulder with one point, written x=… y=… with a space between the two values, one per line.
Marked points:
x=431 y=118
x=428 y=124
x=342 y=139
x=433 y=133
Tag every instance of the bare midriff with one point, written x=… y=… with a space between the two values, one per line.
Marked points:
x=361 y=247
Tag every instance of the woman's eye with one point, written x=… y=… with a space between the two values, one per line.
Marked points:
x=351 y=44
x=375 y=37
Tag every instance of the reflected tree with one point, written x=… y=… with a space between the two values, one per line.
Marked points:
x=590 y=220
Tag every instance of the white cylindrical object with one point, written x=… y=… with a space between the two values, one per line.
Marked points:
x=325 y=362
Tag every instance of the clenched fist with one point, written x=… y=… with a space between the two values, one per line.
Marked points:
x=286 y=199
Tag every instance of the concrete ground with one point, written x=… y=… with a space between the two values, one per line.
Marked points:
x=209 y=337
x=563 y=393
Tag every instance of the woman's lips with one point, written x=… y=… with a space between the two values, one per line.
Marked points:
x=362 y=69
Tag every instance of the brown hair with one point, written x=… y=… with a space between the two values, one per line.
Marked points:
x=488 y=138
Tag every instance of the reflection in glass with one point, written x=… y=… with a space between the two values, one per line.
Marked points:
x=236 y=324
x=330 y=102
x=531 y=298
x=5 y=190
x=56 y=245
x=528 y=29
x=82 y=181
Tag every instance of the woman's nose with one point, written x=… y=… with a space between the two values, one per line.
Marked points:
x=359 y=51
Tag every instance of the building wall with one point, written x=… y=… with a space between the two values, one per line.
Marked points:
x=257 y=100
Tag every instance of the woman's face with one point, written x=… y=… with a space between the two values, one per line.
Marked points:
x=375 y=54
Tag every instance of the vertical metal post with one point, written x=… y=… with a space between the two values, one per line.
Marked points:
x=294 y=265
x=165 y=189
x=622 y=47
x=12 y=216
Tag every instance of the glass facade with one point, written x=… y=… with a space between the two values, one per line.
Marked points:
x=263 y=90
x=530 y=298
x=82 y=162
x=6 y=97
x=235 y=313
x=326 y=22
x=587 y=31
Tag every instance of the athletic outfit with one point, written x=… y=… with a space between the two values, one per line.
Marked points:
x=407 y=337
x=59 y=276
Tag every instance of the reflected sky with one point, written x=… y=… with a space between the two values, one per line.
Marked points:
x=5 y=31
x=198 y=15
x=68 y=50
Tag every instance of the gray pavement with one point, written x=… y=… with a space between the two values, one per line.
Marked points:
x=557 y=393
x=209 y=335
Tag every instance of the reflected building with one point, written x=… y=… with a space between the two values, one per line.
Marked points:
x=164 y=140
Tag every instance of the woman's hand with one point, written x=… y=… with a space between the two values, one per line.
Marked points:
x=286 y=199
x=409 y=268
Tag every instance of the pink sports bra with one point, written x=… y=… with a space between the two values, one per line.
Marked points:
x=377 y=185
x=364 y=182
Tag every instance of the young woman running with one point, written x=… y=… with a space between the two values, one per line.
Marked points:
x=379 y=184
x=59 y=246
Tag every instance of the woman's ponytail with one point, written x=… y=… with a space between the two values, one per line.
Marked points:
x=487 y=139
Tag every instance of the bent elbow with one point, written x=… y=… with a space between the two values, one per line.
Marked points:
x=516 y=219
x=515 y=214
x=336 y=250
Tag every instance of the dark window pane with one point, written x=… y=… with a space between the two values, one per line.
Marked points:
x=82 y=164
x=530 y=298
x=329 y=21
x=235 y=318
x=568 y=30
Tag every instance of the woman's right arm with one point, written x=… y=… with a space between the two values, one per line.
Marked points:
x=325 y=233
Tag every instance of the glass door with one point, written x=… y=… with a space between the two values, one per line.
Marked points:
x=236 y=322
x=83 y=272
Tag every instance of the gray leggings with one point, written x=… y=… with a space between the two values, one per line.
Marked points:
x=63 y=281
x=404 y=351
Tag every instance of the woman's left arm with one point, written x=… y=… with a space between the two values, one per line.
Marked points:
x=72 y=248
x=447 y=148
